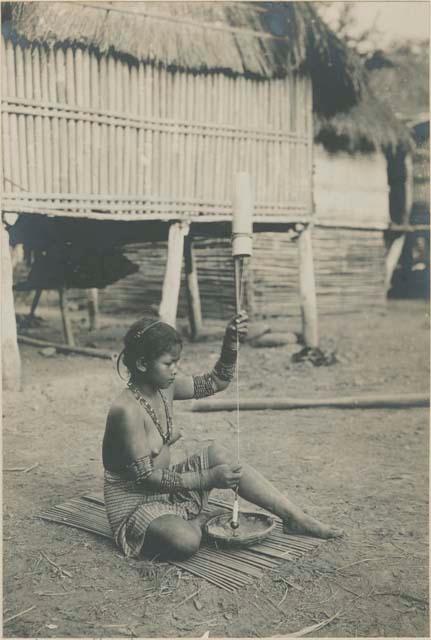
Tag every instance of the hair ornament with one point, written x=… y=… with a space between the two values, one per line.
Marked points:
x=140 y=332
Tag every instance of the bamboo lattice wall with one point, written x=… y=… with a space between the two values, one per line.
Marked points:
x=349 y=268
x=101 y=136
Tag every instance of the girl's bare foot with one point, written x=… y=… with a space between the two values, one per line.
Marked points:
x=305 y=525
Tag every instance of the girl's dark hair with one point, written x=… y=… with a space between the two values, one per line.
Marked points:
x=148 y=339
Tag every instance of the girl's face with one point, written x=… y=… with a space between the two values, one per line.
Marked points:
x=162 y=371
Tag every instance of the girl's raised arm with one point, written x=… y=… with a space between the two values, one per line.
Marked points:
x=218 y=379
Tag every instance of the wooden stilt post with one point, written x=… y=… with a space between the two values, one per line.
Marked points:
x=35 y=302
x=11 y=362
x=307 y=289
x=393 y=256
x=172 y=279
x=192 y=284
x=93 y=308
x=67 y=325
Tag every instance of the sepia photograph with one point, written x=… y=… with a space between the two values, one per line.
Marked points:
x=215 y=336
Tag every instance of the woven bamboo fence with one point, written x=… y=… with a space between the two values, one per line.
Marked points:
x=102 y=136
x=349 y=268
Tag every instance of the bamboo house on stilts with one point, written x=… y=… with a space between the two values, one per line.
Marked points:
x=127 y=122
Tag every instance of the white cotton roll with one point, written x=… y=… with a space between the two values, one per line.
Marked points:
x=235 y=511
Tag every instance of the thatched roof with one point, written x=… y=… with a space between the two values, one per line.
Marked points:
x=369 y=125
x=398 y=92
x=262 y=39
x=402 y=79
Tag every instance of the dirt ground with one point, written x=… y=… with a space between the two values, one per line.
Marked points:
x=363 y=470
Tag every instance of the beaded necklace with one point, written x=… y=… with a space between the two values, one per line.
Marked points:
x=149 y=409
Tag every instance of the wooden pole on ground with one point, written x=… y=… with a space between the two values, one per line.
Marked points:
x=172 y=280
x=11 y=362
x=93 y=308
x=348 y=402
x=64 y=348
x=67 y=325
x=307 y=289
x=192 y=285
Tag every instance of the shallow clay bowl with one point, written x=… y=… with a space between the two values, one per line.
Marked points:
x=253 y=528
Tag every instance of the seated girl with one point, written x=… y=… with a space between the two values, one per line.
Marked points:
x=153 y=506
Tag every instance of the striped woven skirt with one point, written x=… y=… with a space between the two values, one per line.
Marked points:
x=131 y=507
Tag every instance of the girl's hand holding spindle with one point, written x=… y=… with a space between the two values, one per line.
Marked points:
x=238 y=325
x=224 y=368
x=225 y=476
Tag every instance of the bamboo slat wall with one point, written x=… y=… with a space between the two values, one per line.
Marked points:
x=98 y=136
x=351 y=189
x=349 y=268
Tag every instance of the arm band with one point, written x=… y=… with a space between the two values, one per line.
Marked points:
x=224 y=369
x=172 y=481
x=203 y=386
x=139 y=470
x=225 y=366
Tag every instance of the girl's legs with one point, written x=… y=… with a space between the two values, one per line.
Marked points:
x=170 y=537
x=258 y=490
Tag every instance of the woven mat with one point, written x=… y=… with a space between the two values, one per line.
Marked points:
x=228 y=569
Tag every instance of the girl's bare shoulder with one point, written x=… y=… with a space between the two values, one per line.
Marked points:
x=124 y=412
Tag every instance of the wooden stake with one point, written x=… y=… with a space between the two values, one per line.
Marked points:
x=392 y=257
x=11 y=363
x=35 y=302
x=307 y=289
x=93 y=308
x=193 y=297
x=172 y=279
x=67 y=325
